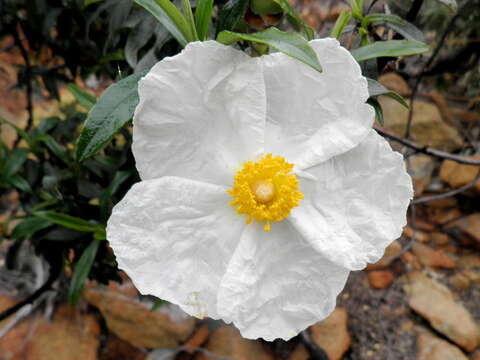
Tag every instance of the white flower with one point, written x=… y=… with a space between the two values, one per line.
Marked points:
x=205 y=122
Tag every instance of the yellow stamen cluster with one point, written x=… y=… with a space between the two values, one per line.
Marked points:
x=265 y=190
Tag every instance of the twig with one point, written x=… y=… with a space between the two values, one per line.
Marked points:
x=424 y=68
x=448 y=194
x=55 y=271
x=316 y=352
x=428 y=150
x=28 y=73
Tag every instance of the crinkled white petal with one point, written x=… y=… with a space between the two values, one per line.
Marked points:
x=174 y=237
x=201 y=114
x=357 y=204
x=313 y=116
x=276 y=285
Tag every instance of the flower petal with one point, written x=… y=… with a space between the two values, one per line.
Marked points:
x=276 y=286
x=201 y=114
x=174 y=237
x=313 y=116
x=357 y=204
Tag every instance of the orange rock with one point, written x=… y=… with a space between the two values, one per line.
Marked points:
x=380 y=279
x=118 y=349
x=430 y=347
x=436 y=303
x=470 y=225
x=421 y=236
x=70 y=336
x=391 y=251
x=198 y=338
x=433 y=258
x=440 y=239
x=445 y=215
x=476 y=355
x=330 y=334
x=226 y=341
x=153 y=329
x=411 y=259
x=395 y=82
x=460 y=281
x=457 y=175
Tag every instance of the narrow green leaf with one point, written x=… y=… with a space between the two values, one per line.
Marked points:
x=158 y=304
x=19 y=182
x=105 y=199
x=187 y=10
x=81 y=271
x=15 y=160
x=170 y=17
x=340 y=24
x=452 y=5
x=113 y=109
x=389 y=48
x=28 y=227
x=70 y=222
x=395 y=22
x=86 y=99
x=57 y=149
x=290 y=44
x=378 y=109
x=376 y=89
x=23 y=134
x=203 y=16
x=230 y=14
x=295 y=19
x=88 y=2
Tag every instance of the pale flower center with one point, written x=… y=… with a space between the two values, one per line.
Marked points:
x=265 y=190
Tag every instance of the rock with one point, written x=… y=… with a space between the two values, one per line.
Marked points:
x=436 y=303
x=330 y=334
x=433 y=258
x=476 y=355
x=118 y=349
x=440 y=239
x=392 y=250
x=421 y=236
x=470 y=225
x=460 y=281
x=394 y=82
x=421 y=169
x=199 y=338
x=380 y=279
x=153 y=329
x=457 y=175
x=471 y=261
x=70 y=336
x=430 y=347
x=227 y=342
x=410 y=259
x=427 y=129
x=443 y=216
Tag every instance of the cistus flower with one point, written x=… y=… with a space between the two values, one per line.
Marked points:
x=263 y=186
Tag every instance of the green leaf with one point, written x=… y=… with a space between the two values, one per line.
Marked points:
x=88 y=2
x=28 y=227
x=86 y=99
x=377 y=89
x=203 y=16
x=15 y=160
x=70 y=222
x=57 y=149
x=105 y=199
x=23 y=134
x=158 y=304
x=452 y=5
x=340 y=24
x=113 y=109
x=81 y=271
x=169 y=16
x=230 y=14
x=187 y=10
x=19 y=182
x=295 y=19
x=395 y=22
x=389 y=48
x=378 y=109
x=290 y=44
